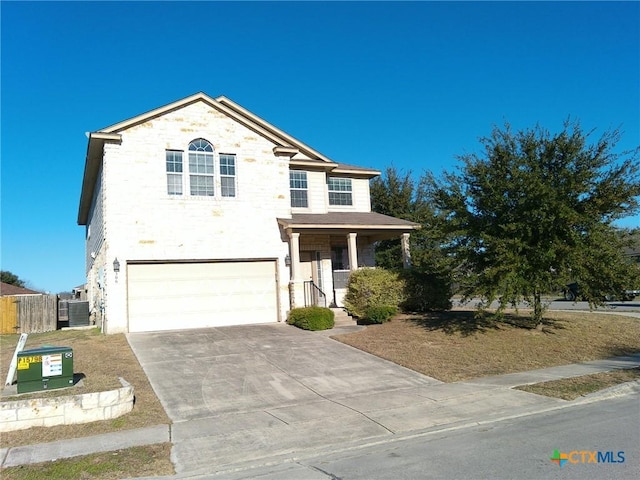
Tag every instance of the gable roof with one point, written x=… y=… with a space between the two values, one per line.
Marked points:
x=9 y=289
x=231 y=109
x=301 y=154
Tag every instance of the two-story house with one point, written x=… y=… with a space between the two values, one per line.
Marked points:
x=200 y=214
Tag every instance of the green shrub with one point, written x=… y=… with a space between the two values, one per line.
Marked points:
x=311 y=318
x=379 y=313
x=425 y=292
x=371 y=287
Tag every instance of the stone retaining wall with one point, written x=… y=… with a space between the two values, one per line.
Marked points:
x=66 y=410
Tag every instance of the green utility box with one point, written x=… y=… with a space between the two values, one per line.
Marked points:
x=45 y=368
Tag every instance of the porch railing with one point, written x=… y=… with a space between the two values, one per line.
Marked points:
x=313 y=295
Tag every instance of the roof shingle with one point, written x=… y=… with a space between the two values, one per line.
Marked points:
x=362 y=219
x=8 y=289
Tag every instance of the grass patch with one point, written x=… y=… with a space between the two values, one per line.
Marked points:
x=101 y=359
x=572 y=388
x=151 y=460
x=459 y=345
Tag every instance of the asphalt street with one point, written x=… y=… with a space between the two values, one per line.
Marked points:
x=560 y=304
x=512 y=449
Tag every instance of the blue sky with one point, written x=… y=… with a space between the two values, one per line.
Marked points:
x=369 y=83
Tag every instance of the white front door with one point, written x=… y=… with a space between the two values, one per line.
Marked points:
x=306 y=266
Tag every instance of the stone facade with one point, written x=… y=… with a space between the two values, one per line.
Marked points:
x=130 y=215
x=160 y=226
x=66 y=410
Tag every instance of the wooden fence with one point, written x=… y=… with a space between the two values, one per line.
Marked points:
x=8 y=315
x=29 y=314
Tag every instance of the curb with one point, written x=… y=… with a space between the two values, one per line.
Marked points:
x=29 y=454
x=628 y=388
x=279 y=459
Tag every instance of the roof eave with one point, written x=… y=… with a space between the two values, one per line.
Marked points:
x=368 y=173
x=157 y=112
x=287 y=224
x=288 y=139
x=237 y=112
x=312 y=164
x=92 y=165
x=338 y=226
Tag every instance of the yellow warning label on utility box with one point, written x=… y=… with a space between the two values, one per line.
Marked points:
x=24 y=362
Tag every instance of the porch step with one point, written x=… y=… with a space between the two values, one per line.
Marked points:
x=342 y=317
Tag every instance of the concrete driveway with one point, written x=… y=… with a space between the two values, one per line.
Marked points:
x=237 y=393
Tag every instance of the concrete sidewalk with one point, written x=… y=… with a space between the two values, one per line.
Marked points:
x=251 y=439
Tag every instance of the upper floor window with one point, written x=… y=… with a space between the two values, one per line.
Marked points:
x=298 y=187
x=208 y=173
x=174 y=172
x=228 y=175
x=201 y=168
x=339 y=191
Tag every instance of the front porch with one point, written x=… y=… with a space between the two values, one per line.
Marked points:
x=325 y=248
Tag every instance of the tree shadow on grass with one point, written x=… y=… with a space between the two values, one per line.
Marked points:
x=547 y=325
x=468 y=323
x=463 y=323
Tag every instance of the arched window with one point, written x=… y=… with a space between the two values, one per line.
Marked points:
x=201 y=167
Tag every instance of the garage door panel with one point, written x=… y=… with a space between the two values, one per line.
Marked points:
x=197 y=295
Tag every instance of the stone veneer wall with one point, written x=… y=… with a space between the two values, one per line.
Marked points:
x=66 y=410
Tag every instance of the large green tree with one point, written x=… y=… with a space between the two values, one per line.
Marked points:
x=11 y=278
x=397 y=194
x=428 y=282
x=401 y=195
x=535 y=211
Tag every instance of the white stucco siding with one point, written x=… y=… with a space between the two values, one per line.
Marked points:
x=143 y=222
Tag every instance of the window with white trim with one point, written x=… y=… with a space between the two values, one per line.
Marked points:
x=299 y=187
x=174 y=172
x=340 y=192
x=227 y=175
x=201 y=168
x=208 y=175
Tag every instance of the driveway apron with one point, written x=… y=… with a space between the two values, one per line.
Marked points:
x=243 y=393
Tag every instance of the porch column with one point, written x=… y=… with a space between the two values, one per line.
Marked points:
x=353 y=251
x=294 y=249
x=406 y=251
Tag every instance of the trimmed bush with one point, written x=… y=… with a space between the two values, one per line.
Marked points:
x=379 y=313
x=409 y=289
x=311 y=318
x=372 y=287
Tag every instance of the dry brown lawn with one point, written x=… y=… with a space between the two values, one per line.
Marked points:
x=101 y=359
x=457 y=345
x=150 y=460
x=572 y=388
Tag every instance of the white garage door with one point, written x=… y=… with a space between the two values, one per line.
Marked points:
x=171 y=296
